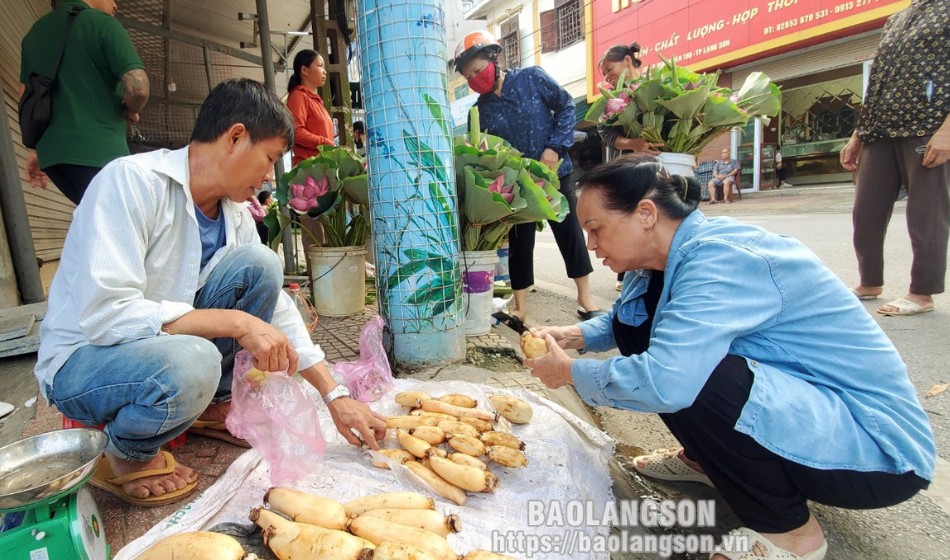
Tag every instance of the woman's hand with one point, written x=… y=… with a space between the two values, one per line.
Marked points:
x=568 y=338
x=554 y=368
x=638 y=145
x=549 y=158
x=849 y=154
x=938 y=149
x=352 y=417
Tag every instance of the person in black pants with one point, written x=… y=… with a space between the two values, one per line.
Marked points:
x=752 y=353
x=530 y=110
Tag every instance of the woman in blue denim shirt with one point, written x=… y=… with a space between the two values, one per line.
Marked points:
x=751 y=351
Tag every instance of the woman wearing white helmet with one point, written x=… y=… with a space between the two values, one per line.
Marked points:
x=526 y=107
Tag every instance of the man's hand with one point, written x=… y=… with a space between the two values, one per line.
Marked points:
x=132 y=117
x=938 y=149
x=270 y=347
x=549 y=158
x=849 y=154
x=36 y=177
x=351 y=415
x=554 y=368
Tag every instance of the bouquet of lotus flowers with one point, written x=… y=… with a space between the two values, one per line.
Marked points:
x=680 y=110
x=331 y=186
x=499 y=188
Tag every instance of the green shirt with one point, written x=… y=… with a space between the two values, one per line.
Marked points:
x=88 y=123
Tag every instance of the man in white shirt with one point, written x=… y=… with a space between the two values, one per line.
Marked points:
x=163 y=279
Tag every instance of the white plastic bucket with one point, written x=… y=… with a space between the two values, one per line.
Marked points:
x=338 y=280
x=478 y=274
x=677 y=164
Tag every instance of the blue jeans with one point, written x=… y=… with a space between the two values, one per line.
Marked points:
x=149 y=391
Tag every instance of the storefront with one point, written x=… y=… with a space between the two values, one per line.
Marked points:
x=817 y=51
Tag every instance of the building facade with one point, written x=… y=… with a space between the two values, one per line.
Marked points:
x=818 y=51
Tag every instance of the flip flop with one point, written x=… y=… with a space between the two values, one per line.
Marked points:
x=863 y=297
x=905 y=308
x=217 y=430
x=665 y=464
x=587 y=315
x=6 y=408
x=760 y=548
x=105 y=479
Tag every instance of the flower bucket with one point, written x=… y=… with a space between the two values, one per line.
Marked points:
x=478 y=275
x=338 y=279
x=677 y=164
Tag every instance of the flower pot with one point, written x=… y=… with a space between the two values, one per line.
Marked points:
x=478 y=275
x=677 y=164
x=338 y=279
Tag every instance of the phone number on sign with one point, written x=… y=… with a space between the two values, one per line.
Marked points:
x=815 y=16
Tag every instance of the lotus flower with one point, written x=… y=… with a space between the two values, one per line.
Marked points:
x=616 y=105
x=304 y=197
x=506 y=191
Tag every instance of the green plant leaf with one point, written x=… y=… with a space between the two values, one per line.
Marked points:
x=436 y=112
x=687 y=104
x=424 y=157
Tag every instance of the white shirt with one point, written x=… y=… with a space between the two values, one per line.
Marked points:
x=131 y=262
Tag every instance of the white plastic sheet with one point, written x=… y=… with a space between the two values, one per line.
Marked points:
x=567 y=463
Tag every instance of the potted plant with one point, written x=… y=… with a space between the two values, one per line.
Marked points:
x=681 y=111
x=497 y=189
x=333 y=188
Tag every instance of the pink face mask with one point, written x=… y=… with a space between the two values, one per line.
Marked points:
x=484 y=81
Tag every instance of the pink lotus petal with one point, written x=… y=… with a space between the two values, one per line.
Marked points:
x=615 y=105
x=497 y=184
x=300 y=204
x=508 y=196
x=541 y=183
x=322 y=186
x=734 y=98
x=310 y=190
x=296 y=191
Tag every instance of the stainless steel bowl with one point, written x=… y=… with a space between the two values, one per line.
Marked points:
x=45 y=465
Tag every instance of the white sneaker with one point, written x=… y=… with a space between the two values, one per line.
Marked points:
x=785 y=185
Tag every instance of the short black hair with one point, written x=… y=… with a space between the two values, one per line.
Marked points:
x=627 y=180
x=239 y=100
x=358 y=126
x=263 y=196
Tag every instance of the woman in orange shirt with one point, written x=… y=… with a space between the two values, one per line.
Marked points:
x=313 y=126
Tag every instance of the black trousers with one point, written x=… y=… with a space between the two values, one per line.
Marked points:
x=71 y=180
x=769 y=493
x=567 y=234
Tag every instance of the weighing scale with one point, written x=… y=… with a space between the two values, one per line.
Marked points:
x=47 y=513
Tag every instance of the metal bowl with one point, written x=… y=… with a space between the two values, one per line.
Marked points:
x=45 y=465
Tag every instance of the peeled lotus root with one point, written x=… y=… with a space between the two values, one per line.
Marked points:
x=533 y=346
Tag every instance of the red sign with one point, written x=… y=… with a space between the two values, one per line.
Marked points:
x=709 y=34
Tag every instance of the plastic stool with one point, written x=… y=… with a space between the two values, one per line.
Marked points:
x=177 y=442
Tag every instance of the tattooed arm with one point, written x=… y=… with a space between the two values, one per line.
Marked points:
x=135 y=95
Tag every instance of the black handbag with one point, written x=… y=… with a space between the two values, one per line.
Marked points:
x=36 y=107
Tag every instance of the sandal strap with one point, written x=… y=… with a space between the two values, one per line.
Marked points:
x=169 y=468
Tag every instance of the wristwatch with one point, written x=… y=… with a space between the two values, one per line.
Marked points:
x=336 y=393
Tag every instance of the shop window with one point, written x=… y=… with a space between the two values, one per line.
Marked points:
x=820 y=112
x=510 y=43
x=563 y=26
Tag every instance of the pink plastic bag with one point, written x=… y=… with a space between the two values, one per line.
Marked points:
x=369 y=377
x=278 y=419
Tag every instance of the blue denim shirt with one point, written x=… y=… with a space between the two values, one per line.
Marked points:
x=830 y=390
x=533 y=113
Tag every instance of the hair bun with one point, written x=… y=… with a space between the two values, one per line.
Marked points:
x=634 y=47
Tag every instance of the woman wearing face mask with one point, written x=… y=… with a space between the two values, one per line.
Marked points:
x=621 y=60
x=526 y=107
x=313 y=126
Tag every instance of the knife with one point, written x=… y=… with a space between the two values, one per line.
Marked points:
x=510 y=321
